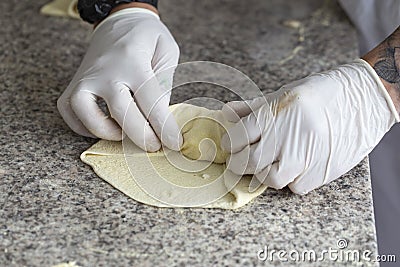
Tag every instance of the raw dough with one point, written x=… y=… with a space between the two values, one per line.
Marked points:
x=208 y=124
x=63 y=8
x=199 y=126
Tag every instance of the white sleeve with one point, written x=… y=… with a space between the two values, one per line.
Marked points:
x=374 y=20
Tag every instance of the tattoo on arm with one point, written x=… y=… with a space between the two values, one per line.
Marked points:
x=387 y=68
x=387 y=65
x=385 y=59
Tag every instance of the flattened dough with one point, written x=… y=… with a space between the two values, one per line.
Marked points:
x=61 y=8
x=198 y=127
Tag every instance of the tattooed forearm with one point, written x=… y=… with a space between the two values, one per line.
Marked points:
x=388 y=67
x=385 y=59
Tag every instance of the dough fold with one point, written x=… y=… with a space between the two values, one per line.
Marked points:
x=202 y=130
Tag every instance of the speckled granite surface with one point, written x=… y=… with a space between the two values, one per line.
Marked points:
x=55 y=209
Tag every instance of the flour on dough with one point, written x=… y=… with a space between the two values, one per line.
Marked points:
x=197 y=126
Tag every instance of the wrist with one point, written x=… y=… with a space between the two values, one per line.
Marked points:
x=94 y=11
x=129 y=5
x=390 y=88
x=374 y=90
x=385 y=60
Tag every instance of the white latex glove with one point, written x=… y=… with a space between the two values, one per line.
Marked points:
x=324 y=125
x=127 y=49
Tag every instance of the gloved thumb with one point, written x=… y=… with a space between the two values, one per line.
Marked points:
x=235 y=110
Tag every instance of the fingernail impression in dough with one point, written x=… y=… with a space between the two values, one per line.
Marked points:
x=199 y=126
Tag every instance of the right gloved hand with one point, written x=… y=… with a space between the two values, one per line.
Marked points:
x=130 y=64
x=311 y=131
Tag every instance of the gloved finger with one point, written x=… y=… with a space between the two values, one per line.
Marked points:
x=237 y=163
x=307 y=181
x=125 y=111
x=280 y=174
x=85 y=107
x=247 y=131
x=64 y=108
x=302 y=188
x=154 y=102
x=252 y=159
x=154 y=106
x=235 y=110
x=167 y=55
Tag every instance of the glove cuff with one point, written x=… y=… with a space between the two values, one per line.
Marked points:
x=126 y=11
x=380 y=86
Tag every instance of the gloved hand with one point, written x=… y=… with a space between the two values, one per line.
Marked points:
x=127 y=49
x=310 y=131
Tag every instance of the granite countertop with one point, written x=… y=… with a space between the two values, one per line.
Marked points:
x=54 y=208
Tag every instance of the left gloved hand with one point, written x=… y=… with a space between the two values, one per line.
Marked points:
x=310 y=131
x=129 y=64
